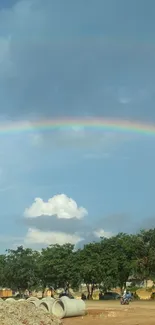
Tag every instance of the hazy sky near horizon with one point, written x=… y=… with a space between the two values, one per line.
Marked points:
x=85 y=58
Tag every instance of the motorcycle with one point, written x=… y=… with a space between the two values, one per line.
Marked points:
x=124 y=301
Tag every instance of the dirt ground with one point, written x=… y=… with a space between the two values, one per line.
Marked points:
x=112 y=313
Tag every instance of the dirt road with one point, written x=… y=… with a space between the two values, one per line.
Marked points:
x=112 y=313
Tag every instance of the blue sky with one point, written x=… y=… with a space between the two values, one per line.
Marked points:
x=81 y=59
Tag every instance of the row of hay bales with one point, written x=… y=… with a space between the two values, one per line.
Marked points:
x=61 y=308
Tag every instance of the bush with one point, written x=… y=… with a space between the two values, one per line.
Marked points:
x=149 y=289
x=133 y=289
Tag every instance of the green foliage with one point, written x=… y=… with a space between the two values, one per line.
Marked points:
x=134 y=288
x=56 y=265
x=89 y=263
x=21 y=268
x=144 y=265
x=108 y=263
x=2 y=268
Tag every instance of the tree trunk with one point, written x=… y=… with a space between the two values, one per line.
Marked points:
x=43 y=290
x=67 y=288
x=124 y=286
x=90 y=289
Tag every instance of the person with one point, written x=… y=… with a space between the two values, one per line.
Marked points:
x=52 y=291
x=83 y=296
x=124 y=293
x=129 y=295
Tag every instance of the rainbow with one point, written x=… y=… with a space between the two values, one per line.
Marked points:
x=66 y=123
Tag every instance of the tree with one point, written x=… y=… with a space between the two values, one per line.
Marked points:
x=144 y=265
x=125 y=256
x=3 y=275
x=57 y=266
x=89 y=266
x=117 y=259
x=21 y=268
x=108 y=265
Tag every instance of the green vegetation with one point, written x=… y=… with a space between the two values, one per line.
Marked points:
x=108 y=263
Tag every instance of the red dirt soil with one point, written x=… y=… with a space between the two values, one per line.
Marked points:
x=112 y=313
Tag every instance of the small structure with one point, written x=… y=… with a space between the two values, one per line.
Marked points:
x=5 y=293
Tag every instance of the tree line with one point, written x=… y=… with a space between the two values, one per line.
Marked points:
x=109 y=263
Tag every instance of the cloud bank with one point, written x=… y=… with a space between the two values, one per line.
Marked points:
x=36 y=236
x=59 y=220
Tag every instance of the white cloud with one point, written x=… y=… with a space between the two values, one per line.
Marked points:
x=102 y=233
x=60 y=205
x=36 y=236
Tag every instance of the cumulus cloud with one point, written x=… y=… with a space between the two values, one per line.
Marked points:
x=44 y=231
x=36 y=236
x=62 y=209
x=60 y=205
x=60 y=220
